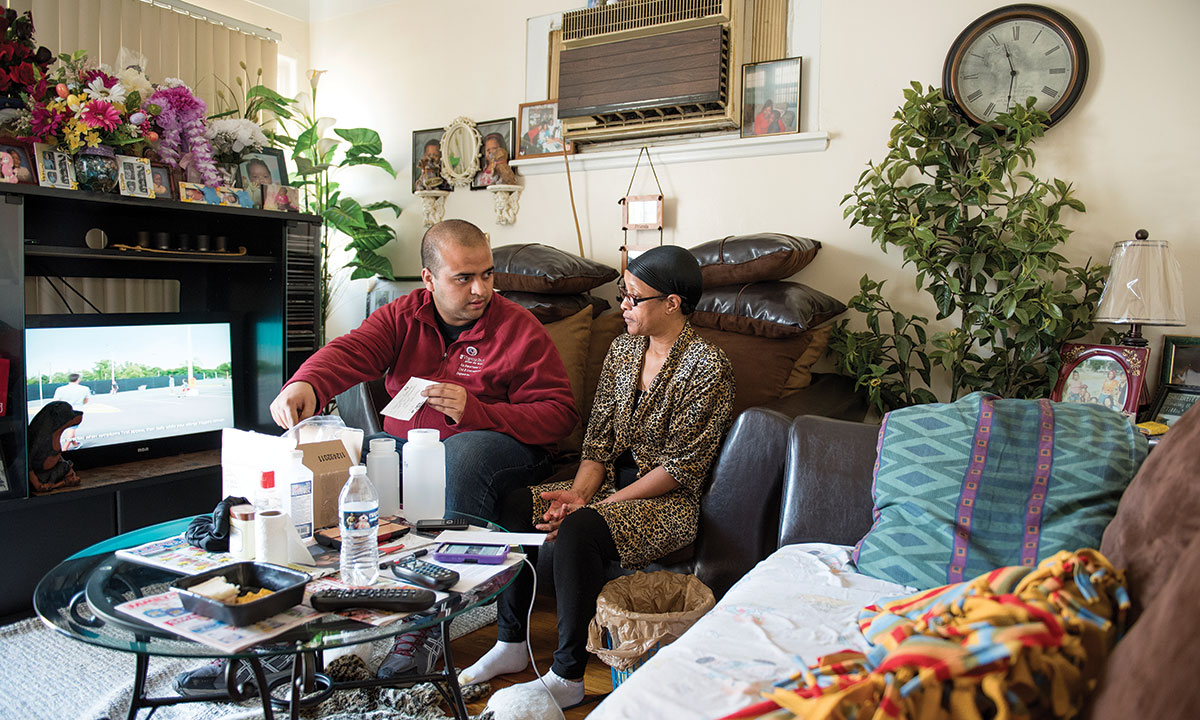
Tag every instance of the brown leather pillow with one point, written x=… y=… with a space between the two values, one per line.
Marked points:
x=741 y=259
x=761 y=366
x=605 y=328
x=571 y=337
x=768 y=309
x=552 y=308
x=542 y=269
x=1159 y=514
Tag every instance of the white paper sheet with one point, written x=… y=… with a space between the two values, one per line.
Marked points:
x=406 y=402
x=486 y=537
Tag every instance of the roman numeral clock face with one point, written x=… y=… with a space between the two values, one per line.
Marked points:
x=1014 y=53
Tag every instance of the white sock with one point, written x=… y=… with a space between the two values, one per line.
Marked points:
x=503 y=658
x=566 y=693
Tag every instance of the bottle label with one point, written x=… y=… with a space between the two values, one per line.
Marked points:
x=360 y=519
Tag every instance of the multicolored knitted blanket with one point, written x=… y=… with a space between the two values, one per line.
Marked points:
x=1013 y=643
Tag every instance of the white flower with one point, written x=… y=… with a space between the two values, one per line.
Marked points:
x=97 y=91
x=134 y=80
x=314 y=77
x=234 y=135
x=174 y=82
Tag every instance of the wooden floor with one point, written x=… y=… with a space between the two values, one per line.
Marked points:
x=543 y=632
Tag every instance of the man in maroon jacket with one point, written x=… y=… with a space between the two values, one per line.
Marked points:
x=501 y=401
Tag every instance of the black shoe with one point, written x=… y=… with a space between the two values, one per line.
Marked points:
x=209 y=680
x=413 y=653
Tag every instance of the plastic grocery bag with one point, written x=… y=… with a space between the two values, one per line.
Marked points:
x=643 y=611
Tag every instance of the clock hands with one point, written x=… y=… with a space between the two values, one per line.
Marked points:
x=1012 y=76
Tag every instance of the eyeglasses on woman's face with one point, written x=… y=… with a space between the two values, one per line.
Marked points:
x=623 y=295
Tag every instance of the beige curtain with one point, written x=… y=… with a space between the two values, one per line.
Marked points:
x=203 y=54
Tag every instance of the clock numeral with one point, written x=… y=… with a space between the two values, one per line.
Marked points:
x=993 y=39
x=977 y=55
x=972 y=76
x=1035 y=38
x=1053 y=50
x=987 y=112
x=975 y=95
x=1049 y=91
x=1016 y=32
x=1058 y=71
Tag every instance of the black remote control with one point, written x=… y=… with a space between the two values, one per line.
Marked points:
x=393 y=599
x=419 y=572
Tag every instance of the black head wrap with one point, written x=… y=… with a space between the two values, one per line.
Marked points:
x=670 y=270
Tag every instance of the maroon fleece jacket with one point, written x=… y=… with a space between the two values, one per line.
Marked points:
x=514 y=377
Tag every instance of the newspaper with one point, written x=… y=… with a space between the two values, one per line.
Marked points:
x=166 y=611
x=176 y=555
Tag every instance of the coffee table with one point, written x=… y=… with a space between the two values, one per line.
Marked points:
x=77 y=599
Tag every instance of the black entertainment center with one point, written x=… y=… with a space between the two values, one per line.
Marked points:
x=266 y=295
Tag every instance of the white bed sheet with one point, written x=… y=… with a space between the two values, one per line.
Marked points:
x=799 y=603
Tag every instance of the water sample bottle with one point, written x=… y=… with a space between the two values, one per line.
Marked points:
x=383 y=467
x=424 y=476
x=358 y=520
x=270 y=543
x=299 y=490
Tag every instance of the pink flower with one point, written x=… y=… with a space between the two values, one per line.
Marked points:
x=44 y=123
x=99 y=114
x=92 y=74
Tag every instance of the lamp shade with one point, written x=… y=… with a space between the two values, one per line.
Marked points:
x=1145 y=285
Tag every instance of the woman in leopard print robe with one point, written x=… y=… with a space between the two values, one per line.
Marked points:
x=661 y=411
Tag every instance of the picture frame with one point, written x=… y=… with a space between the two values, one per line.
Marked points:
x=250 y=168
x=771 y=98
x=55 y=168
x=281 y=198
x=1109 y=375
x=21 y=169
x=642 y=212
x=197 y=193
x=540 y=130
x=1172 y=401
x=133 y=176
x=1180 y=360
x=162 y=182
x=496 y=137
x=427 y=160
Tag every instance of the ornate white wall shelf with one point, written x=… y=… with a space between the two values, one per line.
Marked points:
x=433 y=205
x=506 y=199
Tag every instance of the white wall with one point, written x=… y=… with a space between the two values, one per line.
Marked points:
x=1130 y=145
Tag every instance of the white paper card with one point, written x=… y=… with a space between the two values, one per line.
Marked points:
x=408 y=400
x=485 y=537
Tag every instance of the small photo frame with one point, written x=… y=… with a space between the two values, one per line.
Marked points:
x=427 y=160
x=55 y=168
x=1180 y=360
x=540 y=131
x=265 y=167
x=1108 y=375
x=134 y=178
x=495 y=151
x=162 y=182
x=227 y=196
x=19 y=167
x=281 y=198
x=1172 y=401
x=771 y=98
x=195 y=193
x=641 y=212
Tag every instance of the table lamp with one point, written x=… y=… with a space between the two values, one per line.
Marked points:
x=1145 y=287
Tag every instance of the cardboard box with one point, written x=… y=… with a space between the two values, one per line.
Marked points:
x=330 y=463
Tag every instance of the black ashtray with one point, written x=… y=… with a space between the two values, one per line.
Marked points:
x=286 y=586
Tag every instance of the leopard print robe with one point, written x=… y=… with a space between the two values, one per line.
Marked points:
x=679 y=424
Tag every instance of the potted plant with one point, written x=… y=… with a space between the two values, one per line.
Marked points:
x=983 y=234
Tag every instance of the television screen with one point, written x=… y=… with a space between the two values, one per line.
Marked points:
x=136 y=382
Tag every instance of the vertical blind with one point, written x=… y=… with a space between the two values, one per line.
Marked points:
x=197 y=50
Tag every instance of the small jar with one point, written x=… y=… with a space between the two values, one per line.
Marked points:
x=202 y=243
x=162 y=240
x=241 y=532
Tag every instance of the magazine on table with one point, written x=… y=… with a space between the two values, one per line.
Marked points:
x=166 y=611
x=176 y=555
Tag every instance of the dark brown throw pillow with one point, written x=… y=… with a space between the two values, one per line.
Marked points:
x=759 y=257
x=779 y=309
x=761 y=366
x=542 y=269
x=552 y=308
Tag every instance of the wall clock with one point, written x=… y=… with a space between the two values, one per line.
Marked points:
x=1012 y=53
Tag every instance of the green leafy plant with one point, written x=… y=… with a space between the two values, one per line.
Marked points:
x=983 y=234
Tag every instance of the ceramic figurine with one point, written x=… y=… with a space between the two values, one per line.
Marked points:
x=48 y=469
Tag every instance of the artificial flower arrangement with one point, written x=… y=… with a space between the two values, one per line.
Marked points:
x=231 y=137
x=22 y=62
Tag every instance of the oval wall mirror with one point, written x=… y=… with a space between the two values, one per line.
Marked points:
x=460 y=152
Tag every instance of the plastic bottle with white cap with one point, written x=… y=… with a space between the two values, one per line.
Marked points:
x=424 y=475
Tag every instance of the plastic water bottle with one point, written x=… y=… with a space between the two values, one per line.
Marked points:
x=358 y=518
x=383 y=467
x=424 y=476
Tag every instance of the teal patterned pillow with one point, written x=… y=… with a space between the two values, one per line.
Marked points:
x=966 y=487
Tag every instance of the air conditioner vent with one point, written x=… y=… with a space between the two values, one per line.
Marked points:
x=633 y=17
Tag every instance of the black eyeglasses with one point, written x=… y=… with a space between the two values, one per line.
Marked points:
x=622 y=296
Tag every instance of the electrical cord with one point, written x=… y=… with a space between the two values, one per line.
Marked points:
x=529 y=641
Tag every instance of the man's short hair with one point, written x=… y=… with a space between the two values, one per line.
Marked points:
x=73 y=377
x=460 y=232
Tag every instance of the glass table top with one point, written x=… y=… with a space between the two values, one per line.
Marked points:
x=78 y=597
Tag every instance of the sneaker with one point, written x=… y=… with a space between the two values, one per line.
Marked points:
x=209 y=680
x=413 y=653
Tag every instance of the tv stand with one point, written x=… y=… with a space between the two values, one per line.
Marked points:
x=273 y=286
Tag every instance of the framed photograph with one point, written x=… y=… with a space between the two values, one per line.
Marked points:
x=1180 y=360
x=540 y=132
x=55 y=169
x=197 y=193
x=134 y=176
x=162 y=182
x=494 y=152
x=1172 y=401
x=282 y=198
x=641 y=212
x=265 y=167
x=427 y=160
x=771 y=98
x=1108 y=375
x=19 y=167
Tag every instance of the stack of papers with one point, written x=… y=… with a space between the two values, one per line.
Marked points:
x=166 y=611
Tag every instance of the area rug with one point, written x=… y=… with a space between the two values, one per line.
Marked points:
x=48 y=676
